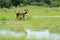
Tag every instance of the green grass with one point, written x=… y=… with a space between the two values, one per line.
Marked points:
x=11 y=38
x=23 y=38
x=32 y=11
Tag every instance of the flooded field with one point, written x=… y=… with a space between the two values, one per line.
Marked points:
x=31 y=35
x=44 y=28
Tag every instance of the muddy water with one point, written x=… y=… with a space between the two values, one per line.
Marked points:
x=31 y=34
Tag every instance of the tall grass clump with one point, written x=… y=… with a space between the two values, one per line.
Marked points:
x=19 y=18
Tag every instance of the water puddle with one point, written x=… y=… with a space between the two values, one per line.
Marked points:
x=31 y=34
x=10 y=33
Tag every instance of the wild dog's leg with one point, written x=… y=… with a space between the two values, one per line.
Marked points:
x=23 y=16
x=17 y=16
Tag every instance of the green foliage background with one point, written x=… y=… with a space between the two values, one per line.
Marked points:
x=10 y=3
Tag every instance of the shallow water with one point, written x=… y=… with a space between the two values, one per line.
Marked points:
x=31 y=34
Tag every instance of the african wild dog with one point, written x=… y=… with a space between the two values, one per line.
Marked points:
x=21 y=14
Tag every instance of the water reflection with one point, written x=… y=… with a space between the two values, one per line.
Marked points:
x=31 y=34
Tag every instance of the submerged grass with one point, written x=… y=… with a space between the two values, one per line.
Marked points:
x=52 y=24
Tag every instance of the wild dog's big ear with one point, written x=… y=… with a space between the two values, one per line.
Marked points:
x=26 y=10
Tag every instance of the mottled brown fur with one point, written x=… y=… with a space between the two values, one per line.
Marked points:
x=21 y=14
